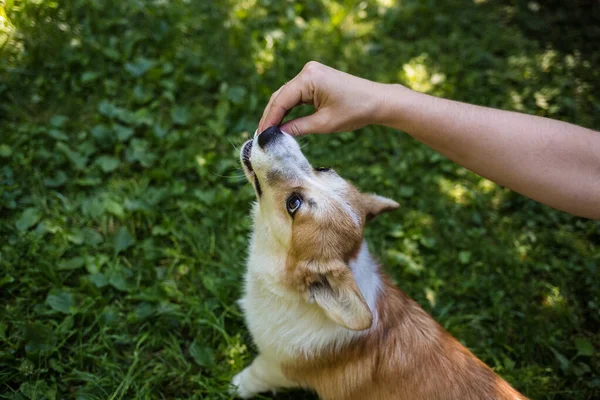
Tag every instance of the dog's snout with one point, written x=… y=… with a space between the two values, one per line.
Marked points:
x=268 y=135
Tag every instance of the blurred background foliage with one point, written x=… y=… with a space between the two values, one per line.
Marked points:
x=124 y=213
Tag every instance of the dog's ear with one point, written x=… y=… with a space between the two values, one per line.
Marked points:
x=336 y=292
x=375 y=205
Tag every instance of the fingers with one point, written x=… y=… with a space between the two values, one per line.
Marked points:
x=314 y=123
x=282 y=101
x=261 y=126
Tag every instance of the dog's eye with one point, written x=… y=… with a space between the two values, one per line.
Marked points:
x=294 y=202
x=323 y=169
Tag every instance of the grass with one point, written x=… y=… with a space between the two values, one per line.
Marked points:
x=124 y=215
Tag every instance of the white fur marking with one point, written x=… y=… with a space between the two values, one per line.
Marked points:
x=364 y=269
x=261 y=376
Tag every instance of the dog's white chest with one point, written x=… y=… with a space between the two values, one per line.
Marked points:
x=284 y=325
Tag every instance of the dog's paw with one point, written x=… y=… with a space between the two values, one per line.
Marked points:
x=243 y=387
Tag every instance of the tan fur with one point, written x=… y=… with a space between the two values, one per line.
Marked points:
x=319 y=253
x=333 y=237
x=407 y=356
x=399 y=351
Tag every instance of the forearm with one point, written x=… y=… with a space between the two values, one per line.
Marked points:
x=553 y=162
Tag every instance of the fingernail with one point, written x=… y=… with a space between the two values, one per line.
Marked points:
x=256 y=133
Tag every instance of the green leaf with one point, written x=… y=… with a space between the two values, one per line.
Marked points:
x=118 y=280
x=57 y=181
x=79 y=160
x=55 y=365
x=107 y=109
x=562 y=360
x=93 y=264
x=107 y=163
x=75 y=236
x=123 y=240
x=464 y=257
x=101 y=132
x=142 y=94
x=99 y=280
x=180 y=115
x=114 y=208
x=70 y=264
x=5 y=151
x=6 y=279
x=406 y=261
x=236 y=94
x=144 y=310
x=93 y=207
x=202 y=355
x=140 y=66
x=124 y=115
x=109 y=315
x=428 y=242
x=38 y=390
x=58 y=121
x=143 y=116
x=60 y=301
x=92 y=237
x=111 y=53
x=123 y=132
x=89 y=76
x=28 y=219
x=208 y=197
x=584 y=347
x=65 y=327
x=136 y=205
x=508 y=363
x=160 y=131
x=58 y=135
x=406 y=191
x=138 y=150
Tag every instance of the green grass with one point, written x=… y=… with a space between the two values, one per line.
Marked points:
x=124 y=216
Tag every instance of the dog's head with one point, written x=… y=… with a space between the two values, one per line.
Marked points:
x=314 y=217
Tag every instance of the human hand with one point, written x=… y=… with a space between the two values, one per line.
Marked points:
x=342 y=102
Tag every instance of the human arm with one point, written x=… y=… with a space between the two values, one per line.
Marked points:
x=550 y=161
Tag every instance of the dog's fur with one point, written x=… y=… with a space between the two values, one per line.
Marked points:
x=322 y=314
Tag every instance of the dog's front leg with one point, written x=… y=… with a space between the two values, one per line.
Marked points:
x=261 y=376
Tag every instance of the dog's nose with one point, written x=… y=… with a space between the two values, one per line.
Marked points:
x=268 y=135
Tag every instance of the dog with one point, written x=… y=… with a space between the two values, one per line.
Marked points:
x=322 y=314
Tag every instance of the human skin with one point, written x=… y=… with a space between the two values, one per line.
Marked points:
x=553 y=162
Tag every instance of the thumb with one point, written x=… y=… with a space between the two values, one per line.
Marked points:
x=314 y=123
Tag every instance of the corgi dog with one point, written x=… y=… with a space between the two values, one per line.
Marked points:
x=322 y=314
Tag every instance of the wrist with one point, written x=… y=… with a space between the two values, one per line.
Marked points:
x=394 y=104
